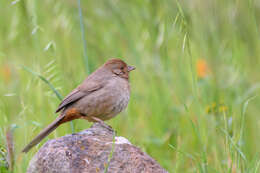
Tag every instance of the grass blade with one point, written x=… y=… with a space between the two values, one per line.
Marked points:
x=245 y=105
x=44 y=80
x=234 y=144
x=182 y=152
x=56 y=92
x=83 y=38
x=10 y=148
x=111 y=154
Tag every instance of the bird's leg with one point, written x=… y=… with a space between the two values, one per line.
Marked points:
x=95 y=119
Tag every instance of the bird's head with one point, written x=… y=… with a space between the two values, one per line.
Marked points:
x=118 y=67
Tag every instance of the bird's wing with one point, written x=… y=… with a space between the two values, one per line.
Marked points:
x=78 y=93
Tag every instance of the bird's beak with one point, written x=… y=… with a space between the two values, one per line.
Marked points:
x=130 y=68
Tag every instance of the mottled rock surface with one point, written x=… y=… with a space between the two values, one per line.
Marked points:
x=89 y=152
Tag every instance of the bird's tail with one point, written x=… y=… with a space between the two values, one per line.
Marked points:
x=45 y=132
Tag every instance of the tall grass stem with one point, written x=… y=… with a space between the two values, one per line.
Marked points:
x=85 y=55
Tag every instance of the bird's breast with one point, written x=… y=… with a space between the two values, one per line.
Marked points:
x=119 y=94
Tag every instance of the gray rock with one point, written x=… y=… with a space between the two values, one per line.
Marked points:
x=89 y=151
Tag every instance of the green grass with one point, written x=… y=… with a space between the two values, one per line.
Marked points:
x=187 y=121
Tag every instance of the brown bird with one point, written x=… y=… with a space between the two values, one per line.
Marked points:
x=101 y=96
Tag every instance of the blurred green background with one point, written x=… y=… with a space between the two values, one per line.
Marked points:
x=195 y=101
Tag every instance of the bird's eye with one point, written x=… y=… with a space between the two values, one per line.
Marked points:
x=122 y=68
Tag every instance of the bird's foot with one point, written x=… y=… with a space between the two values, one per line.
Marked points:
x=102 y=123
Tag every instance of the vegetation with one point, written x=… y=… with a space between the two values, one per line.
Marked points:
x=195 y=101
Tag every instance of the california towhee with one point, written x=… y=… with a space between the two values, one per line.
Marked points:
x=101 y=96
